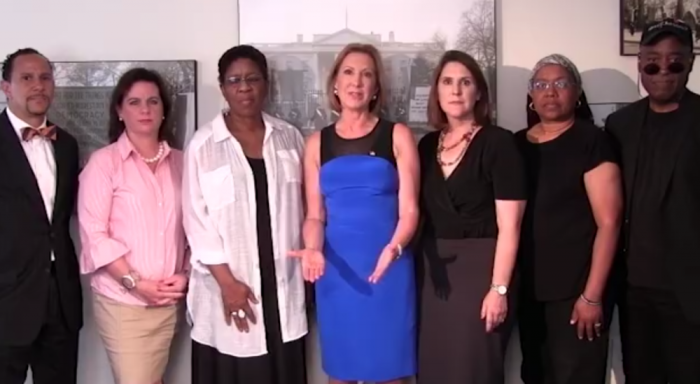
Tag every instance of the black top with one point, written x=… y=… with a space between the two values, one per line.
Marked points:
x=378 y=142
x=463 y=205
x=679 y=182
x=558 y=227
x=264 y=230
x=645 y=264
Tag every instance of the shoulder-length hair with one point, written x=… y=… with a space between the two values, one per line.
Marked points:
x=376 y=104
x=482 y=109
x=128 y=79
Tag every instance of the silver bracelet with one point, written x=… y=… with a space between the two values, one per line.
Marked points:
x=589 y=302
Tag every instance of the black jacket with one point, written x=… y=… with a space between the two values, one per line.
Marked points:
x=27 y=238
x=680 y=201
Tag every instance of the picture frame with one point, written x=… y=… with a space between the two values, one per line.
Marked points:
x=301 y=52
x=84 y=88
x=636 y=14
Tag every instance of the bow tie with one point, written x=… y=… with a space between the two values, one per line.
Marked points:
x=46 y=132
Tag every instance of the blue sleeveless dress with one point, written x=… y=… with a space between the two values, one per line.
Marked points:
x=367 y=331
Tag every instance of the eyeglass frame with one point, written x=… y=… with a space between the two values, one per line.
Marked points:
x=560 y=84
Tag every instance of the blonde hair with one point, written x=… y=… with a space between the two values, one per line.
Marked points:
x=376 y=104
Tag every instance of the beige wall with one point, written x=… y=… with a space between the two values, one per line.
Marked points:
x=586 y=31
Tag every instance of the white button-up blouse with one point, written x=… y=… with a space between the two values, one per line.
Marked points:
x=219 y=213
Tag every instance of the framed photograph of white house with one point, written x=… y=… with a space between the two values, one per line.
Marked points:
x=301 y=39
x=636 y=14
x=84 y=89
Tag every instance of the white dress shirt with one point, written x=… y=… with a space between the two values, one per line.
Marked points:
x=40 y=155
x=219 y=213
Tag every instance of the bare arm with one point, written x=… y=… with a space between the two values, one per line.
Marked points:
x=509 y=215
x=604 y=189
x=313 y=228
x=408 y=167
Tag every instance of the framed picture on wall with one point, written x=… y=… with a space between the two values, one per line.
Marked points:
x=636 y=14
x=84 y=89
x=301 y=49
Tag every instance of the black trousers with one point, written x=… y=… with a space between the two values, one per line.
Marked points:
x=659 y=344
x=53 y=356
x=552 y=352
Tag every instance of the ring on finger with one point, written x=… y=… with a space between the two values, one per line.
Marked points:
x=239 y=314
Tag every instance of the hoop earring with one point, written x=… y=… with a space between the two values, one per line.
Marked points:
x=578 y=104
x=531 y=106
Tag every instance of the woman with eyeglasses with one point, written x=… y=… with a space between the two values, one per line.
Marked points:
x=569 y=233
x=243 y=212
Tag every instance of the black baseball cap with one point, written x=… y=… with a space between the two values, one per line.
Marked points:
x=665 y=27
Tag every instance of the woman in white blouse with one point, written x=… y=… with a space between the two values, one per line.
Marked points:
x=242 y=206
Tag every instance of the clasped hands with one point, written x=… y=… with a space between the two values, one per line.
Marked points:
x=313 y=263
x=164 y=292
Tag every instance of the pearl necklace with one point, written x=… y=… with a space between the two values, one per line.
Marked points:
x=161 y=150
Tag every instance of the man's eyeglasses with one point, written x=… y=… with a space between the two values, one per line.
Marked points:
x=654 y=69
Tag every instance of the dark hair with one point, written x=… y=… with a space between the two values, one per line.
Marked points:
x=128 y=79
x=9 y=63
x=243 y=52
x=582 y=112
x=482 y=109
x=376 y=104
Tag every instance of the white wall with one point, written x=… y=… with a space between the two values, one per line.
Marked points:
x=586 y=31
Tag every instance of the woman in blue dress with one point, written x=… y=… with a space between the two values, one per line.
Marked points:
x=361 y=180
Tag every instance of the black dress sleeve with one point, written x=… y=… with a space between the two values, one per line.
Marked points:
x=599 y=150
x=506 y=167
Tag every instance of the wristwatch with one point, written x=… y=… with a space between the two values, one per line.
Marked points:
x=129 y=280
x=500 y=289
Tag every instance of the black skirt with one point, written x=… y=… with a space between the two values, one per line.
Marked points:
x=283 y=365
x=454 y=277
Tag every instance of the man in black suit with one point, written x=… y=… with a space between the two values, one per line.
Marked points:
x=40 y=295
x=659 y=142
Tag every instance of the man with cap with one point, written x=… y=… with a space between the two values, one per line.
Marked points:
x=658 y=139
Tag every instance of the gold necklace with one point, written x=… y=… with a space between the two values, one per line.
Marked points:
x=467 y=137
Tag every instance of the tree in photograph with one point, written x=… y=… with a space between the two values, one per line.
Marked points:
x=421 y=71
x=436 y=47
x=477 y=35
x=424 y=63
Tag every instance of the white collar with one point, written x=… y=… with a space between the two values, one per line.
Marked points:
x=19 y=124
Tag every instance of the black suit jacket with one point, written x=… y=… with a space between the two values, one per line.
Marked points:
x=680 y=201
x=27 y=238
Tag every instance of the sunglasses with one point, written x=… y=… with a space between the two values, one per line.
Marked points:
x=654 y=69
